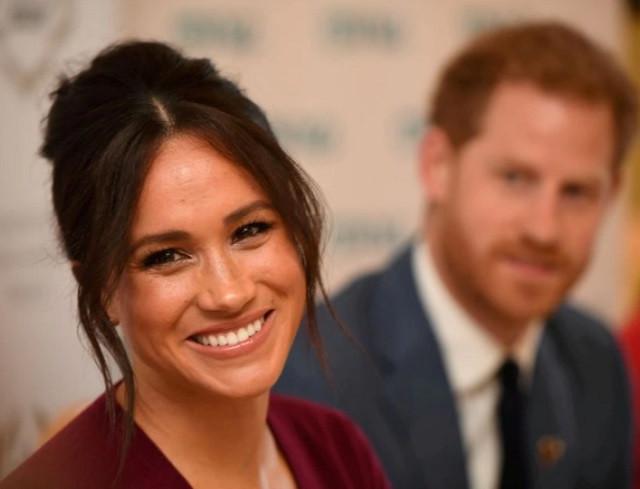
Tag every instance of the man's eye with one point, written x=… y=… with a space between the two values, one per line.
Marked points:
x=251 y=230
x=512 y=176
x=161 y=258
x=577 y=191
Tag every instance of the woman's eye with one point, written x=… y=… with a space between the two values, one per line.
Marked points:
x=161 y=258
x=251 y=230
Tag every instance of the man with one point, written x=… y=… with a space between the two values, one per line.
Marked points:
x=467 y=370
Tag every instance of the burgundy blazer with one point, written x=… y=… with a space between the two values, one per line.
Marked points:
x=325 y=450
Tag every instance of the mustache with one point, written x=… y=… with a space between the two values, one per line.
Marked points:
x=548 y=256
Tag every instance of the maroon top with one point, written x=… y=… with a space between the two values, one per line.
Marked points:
x=325 y=450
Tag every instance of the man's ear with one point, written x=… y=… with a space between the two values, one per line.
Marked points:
x=616 y=183
x=436 y=159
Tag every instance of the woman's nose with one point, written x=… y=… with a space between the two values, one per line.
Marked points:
x=226 y=285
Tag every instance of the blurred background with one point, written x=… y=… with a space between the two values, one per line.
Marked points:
x=345 y=84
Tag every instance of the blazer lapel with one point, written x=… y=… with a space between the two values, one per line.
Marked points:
x=552 y=427
x=415 y=384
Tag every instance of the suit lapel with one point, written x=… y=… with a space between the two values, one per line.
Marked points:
x=417 y=396
x=552 y=427
x=416 y=389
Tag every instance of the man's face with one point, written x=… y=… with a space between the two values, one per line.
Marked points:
x=516 y=208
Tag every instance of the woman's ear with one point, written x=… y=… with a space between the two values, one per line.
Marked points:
x=436 y=159
x=113 y=308
x=75 y=269
x=113 y=305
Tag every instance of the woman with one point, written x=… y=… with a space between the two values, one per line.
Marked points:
x=191 y=232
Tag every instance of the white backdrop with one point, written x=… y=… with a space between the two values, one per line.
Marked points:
x=345 y=84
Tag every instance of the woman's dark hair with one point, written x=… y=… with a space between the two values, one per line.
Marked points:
x=102 y=132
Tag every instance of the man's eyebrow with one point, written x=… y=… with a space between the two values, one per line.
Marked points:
x=247 y=209
x=518 y=162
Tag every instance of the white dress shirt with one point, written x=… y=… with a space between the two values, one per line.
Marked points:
x=472 y=358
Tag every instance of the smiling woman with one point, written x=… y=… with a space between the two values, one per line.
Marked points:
x=212 y=296
x=190 y=230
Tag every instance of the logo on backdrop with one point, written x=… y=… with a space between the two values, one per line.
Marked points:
x=475 y=20
x=409 y=124
x=351 y=29
x=42 y=25
x=208 y=28
x=355 y=233
x=312 y=135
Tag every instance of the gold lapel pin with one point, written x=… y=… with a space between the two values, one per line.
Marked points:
x=550 y=450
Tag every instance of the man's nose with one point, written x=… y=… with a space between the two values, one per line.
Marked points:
x=542 y=221
x=225 y=285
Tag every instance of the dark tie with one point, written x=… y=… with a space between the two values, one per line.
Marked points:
x=511 y=416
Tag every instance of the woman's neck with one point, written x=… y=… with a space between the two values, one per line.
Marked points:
x=222 y=440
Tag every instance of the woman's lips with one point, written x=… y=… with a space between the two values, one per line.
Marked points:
x=231 y=337
x=237 y=340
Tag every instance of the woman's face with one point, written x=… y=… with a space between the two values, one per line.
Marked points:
x=214 y=289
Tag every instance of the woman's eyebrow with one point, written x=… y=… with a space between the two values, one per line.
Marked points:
x=176 y=235
x=159 y=238
x=247 y=209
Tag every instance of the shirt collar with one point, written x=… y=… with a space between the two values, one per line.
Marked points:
x=471 y=355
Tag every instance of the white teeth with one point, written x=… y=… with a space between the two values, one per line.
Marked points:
x=243 y=334
x=233 y=337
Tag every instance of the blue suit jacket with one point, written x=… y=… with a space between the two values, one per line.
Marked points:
x=393 y=382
